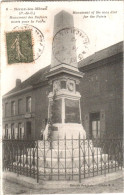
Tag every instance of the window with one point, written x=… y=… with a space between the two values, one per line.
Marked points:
x=13 y=108
x=28 y=130
x=6 y=109
x=28 y=104
x=20 y=131
x=12 y=131
x=20 y=106
x=6 y=131
x=95 y=125
x=16 y=132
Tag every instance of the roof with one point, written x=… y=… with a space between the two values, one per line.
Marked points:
x=40 y=75
x=102 y=54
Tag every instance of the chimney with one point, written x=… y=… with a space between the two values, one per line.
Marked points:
x=18 y=82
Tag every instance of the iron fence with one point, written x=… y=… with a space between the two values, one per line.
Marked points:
x=63 y=159
x=20 y=156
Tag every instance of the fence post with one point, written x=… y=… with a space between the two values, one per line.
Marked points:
x=37 y=164
x=65 y=154
x=51 y=147
x=72 y=157
x=79 y=160
x=58 y=157
x=122 y=149
x=84 y=140
x=44 y=160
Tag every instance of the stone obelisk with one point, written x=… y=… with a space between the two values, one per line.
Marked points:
x=64 y=78
x=63 y=41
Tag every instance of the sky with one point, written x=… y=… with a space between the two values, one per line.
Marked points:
x=103 y=30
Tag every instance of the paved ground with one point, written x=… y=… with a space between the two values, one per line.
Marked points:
x=112 y=186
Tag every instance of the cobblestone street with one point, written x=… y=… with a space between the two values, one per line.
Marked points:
x=115 y=186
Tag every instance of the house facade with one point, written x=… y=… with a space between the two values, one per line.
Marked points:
x=25 y=108
x=102 y=92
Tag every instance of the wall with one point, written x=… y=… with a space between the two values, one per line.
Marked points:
x=101 y=90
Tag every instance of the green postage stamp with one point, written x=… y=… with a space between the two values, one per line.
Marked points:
x=19 y=47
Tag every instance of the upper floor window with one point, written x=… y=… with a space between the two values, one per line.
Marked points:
x=28 y=104
x=13 y=108
x=6 y=109
x=20 y=106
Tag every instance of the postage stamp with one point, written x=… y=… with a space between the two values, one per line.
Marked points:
x=73 y=41
x=38 y=41
x=24 y=44
x=19 y=47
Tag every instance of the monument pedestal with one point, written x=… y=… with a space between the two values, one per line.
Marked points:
x=65 y=112
x=69 y=130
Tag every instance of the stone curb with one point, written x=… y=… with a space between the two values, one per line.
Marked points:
x=32 y=183
x=20 y=179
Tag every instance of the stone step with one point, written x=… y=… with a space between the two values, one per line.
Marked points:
x=68 y=153
x=88 y=160
x=47 y=163
x=61 y=170
x=76 y=170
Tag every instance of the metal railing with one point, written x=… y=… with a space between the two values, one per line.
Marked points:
x=63 y=159
x=21 y=157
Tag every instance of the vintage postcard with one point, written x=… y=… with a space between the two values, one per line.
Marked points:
x=62 y=97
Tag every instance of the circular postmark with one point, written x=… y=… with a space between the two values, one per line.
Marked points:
x=70 y=45
x=37 y=37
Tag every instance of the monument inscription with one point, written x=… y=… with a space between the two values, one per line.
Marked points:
x=56 y=111
x=72 y=114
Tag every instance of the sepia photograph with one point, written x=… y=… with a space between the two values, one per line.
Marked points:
x=62 y=97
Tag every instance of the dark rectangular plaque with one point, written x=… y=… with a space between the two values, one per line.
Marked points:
x=56 y=111
x=72 y=113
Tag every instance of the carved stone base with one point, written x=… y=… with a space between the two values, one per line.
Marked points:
x=69 y=129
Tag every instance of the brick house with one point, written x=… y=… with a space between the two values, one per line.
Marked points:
x=25 y=108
